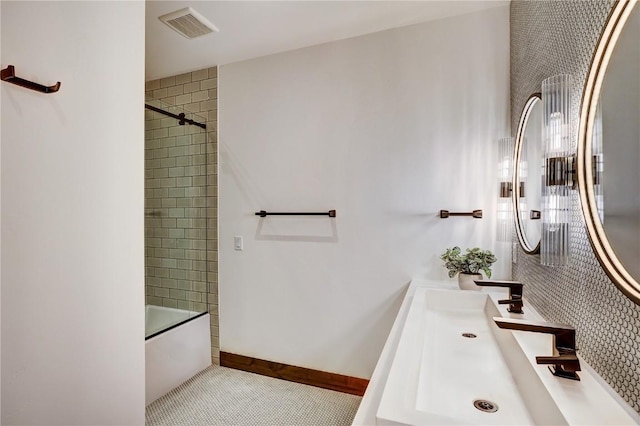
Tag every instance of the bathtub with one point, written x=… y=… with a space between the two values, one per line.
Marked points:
x=177 y=346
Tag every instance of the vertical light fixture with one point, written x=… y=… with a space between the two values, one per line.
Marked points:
x=559 y=171
x=505 y=189
x=598 y=162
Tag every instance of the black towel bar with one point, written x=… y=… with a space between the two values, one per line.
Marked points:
x=477 y=214
x=262 y=213
x=9 y=75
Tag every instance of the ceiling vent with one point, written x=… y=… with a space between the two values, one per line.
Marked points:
x=188 y=23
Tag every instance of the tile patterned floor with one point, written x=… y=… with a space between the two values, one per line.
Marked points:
x=223 y=396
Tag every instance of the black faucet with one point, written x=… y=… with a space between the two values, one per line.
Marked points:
x=515 y=293
x=565 y=361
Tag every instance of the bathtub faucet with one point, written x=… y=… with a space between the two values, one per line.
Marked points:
x=515 y=293
x=565 y=361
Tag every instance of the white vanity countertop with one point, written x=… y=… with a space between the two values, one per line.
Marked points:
x=366 y=415
x=579 y=406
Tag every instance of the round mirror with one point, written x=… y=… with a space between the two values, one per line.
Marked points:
x=527 y=177
x=609 y=149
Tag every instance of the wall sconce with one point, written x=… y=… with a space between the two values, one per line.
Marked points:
x=559 y=170
x=505 y=189
x=598 y=162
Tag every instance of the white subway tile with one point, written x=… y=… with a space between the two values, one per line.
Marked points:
x=193 y=296
x=201 y=95
x=185 y=202
x=175 y=90
x=177 y=151
x=169 y=100
x=200 y=223
x=176 y=172
x=160 y=193
x=176 y=233
x=184 y=223
x=159 y=153
x=169 y=283
x=154 y=281
x=157 y=301
x=168 y=81
x=176 y=131
x=169 y=243
x=199 y=306
x=200 y=74
x=177 y=253
x=177 y=212
x=168 y=202
x=178 y=294
x=183 y=78
x=161 y=292
x=184 y=264
x=176 y=192
x=209 y=83
x=183 y=140
x=162 y=272
x=167 y=122
x=167 y=182
x=210 y=104
x=184 y=181
x=195 y=275
x=169 y=263
x=160 y=93
x=185 y=285
x=161 y=232
x=152 y=85
x=193 y=107
x=160 y=173
x=167 y=142
x=185 y=244
x=169 y=223
x=183 y=99
x=170 y=303
x=179 y=274
x=191 y=87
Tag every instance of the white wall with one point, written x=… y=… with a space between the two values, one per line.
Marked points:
x=1 y=86
x=72 y=214
x=387 y=129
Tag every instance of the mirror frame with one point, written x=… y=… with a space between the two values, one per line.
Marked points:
x=522 y=125
x=591 y=94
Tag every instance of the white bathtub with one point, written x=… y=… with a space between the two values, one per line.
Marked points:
x=175 y=355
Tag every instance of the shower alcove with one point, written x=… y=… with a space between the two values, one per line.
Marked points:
x=179 y=212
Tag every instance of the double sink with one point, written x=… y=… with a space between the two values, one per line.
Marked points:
x=453 y=365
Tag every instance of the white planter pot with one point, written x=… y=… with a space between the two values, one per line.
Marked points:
x=465 y=281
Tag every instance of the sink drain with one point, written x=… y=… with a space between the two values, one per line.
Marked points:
x=486 y=406
x=469 y=335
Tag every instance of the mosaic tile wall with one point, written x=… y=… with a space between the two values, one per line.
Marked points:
x=197 y=92
x=549 y=38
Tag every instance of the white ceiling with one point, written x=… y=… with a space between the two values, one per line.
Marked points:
x=249 y=29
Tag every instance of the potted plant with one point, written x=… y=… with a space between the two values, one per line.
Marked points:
x=468 y=265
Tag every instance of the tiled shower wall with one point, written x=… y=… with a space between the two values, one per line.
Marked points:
x=193 y=262
x=549 y=38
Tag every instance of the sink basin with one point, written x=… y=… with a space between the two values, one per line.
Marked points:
x=452 y=355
